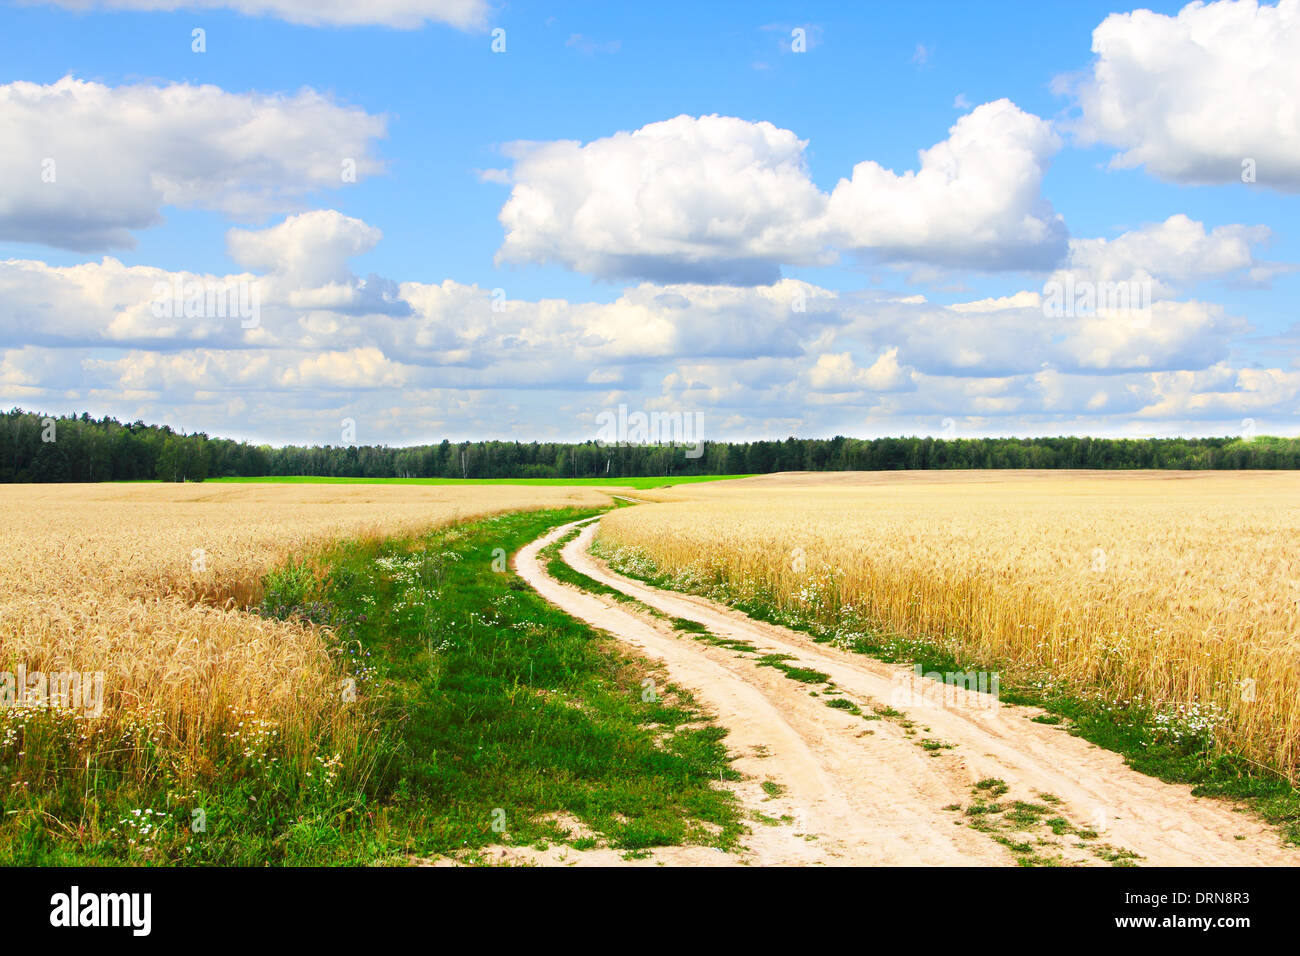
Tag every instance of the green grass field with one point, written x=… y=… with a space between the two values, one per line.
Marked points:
x=645 y=482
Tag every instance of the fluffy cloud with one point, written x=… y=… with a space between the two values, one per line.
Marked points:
x=839 y=373
x=786 y=357
x=703 y=321
x=1174 y=335
x=306 y=258
x=1173 y=253
x=1016 y=336
x=975 y=202
x=310 y=302
x=209 y=371
x=109 y=304
x=711 y=199
x=1212 y=401
x=720 y=199
x=1109 y=309
x=1192 y=96
x=1223 y=392
x=311 y=249
x=399 y=14
x=85 y=164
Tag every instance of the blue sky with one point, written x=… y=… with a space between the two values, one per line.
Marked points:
x=877 y=83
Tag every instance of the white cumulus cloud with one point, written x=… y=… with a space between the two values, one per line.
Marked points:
x=1171 y=255
x=85 y=164
x=1194 y=96
x=713 y=198
x=721 y=199
x=975 y=202
x=310 y=250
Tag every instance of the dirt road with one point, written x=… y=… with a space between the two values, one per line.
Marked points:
x=900 y=769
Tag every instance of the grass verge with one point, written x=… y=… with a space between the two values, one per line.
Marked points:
x=1168 y=750
x=487 y=717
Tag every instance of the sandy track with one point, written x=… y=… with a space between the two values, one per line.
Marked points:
x=892 y=791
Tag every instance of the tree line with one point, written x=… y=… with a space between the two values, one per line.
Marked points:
x=39 y=448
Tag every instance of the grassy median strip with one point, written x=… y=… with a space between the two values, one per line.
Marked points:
x=560 y=571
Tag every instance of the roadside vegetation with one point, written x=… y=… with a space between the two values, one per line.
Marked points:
x=460 y=711
x=736 y=554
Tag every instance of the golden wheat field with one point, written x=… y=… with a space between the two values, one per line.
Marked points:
x=1179 y=589
x=147 y=584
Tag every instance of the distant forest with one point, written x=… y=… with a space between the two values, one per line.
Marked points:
x=36 y=448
